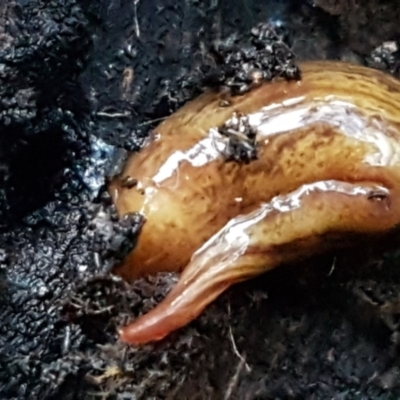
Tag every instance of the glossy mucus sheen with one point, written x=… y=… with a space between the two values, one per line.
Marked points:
x=327 y=174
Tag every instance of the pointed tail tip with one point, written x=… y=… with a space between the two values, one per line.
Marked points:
x=183 y=304
x=136 y=334
x=129 y=336
x=124 y=336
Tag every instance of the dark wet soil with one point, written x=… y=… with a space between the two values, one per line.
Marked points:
x=80 y=76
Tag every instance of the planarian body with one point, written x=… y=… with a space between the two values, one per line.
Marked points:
x=234 y=186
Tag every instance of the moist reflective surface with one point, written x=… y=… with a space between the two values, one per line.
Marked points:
x=326 y=168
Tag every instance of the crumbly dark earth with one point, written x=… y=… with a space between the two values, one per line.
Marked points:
x=84 y=81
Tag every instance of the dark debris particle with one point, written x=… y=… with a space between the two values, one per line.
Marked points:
x=242 y=146
x=385 y=57
x=241 y=66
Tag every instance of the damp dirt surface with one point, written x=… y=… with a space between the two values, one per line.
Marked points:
x=82 y=83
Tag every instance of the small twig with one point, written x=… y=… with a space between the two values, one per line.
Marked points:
x=234 y=380
x=235 y=349
x=76 y=302
x=101 y=310
x=125 y=114
x=137 y=29
x=333 y=267
x=152 y=121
